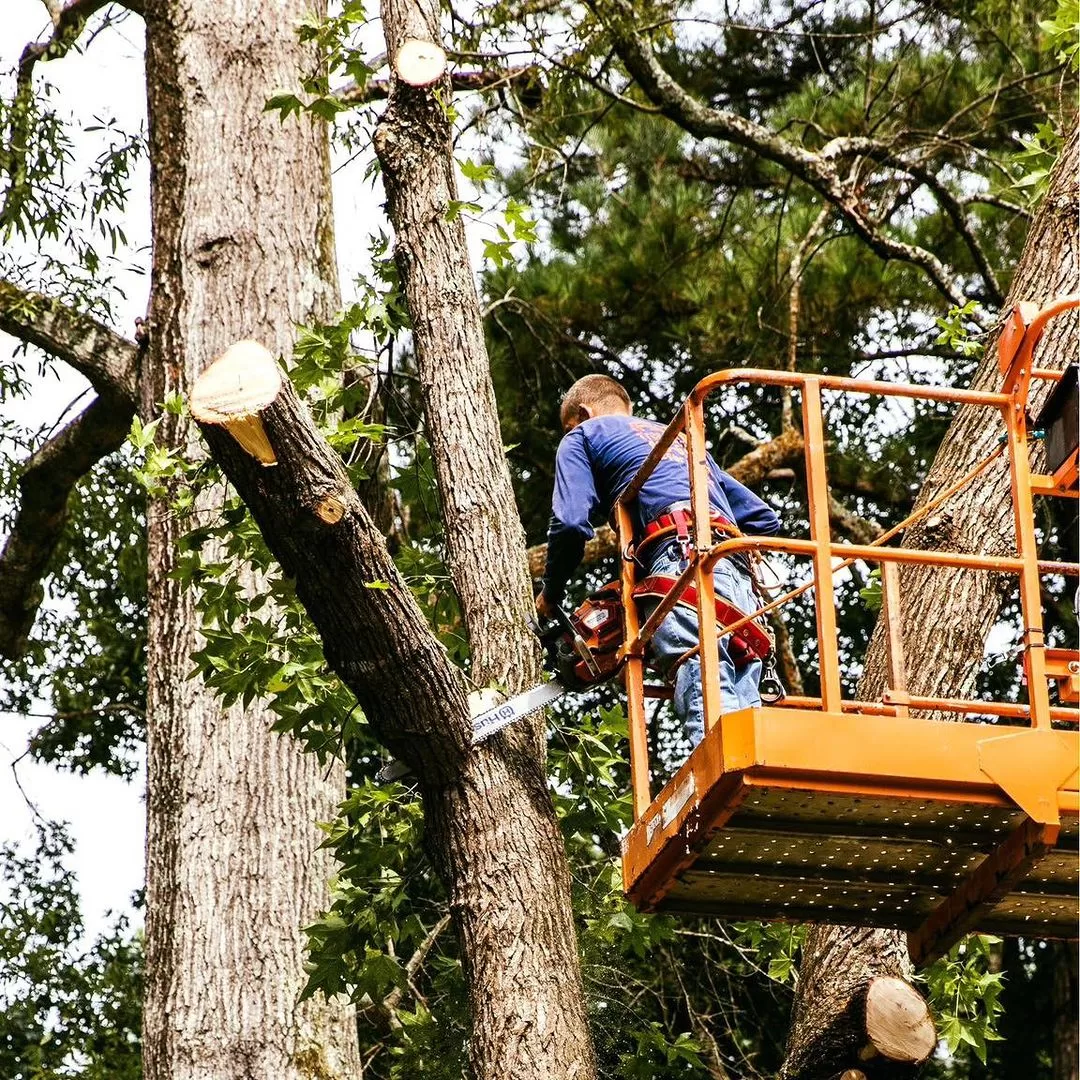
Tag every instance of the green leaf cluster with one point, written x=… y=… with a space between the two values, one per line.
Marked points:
x=965 y=995
x=334 y=51
x=69 y=1008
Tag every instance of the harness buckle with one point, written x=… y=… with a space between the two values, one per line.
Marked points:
x=682 y=534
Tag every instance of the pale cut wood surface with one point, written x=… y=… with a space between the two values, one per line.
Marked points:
x=898 y=1022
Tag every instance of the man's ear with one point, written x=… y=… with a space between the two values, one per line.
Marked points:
x=584 y=412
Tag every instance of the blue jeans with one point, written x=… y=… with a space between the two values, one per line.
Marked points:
x=679 y=632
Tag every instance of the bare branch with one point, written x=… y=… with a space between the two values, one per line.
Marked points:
x=887 y=154
x=109 y=361
x=460 y=81
x=815 y=169
x=45 y=484
x=857 y=529
x=996 y=200
x=991 y=96
x=384 y=1013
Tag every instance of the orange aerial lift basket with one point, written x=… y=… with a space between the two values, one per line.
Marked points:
x=859 y=812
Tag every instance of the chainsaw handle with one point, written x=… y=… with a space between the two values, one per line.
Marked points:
x=552 y=628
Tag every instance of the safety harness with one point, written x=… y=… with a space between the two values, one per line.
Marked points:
x=677 y=521
x=751 y=641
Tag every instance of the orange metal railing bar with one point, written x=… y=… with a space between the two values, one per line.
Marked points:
x=674 y=429
x=708 y=639
x=633 y=675
x=756 y=377
x=933 y=504
x=1018 y=381
x=1006 y=709
x=849 y=554
x=1046 y=373
x=690 y=424
x=817 y=496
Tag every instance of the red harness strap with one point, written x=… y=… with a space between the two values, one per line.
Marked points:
x=749 y=642
x=679 y=522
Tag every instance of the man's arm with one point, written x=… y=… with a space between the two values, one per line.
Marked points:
x=572 y=506
x=751 y=514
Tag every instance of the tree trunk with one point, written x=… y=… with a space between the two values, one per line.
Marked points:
x=494 y=834
x=947 y=614
x=242 y=245
x=1066 y=1052
x=497 y=866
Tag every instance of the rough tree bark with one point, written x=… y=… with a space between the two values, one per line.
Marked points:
x=490 y=824
x=512 y=909
x=946 y=616
x=242 y=243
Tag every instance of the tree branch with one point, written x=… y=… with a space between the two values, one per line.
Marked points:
x=383 y=1013
x=815 y=169
x=45 y=485
x=68 y=22
x=886 y=154
x=857 y=529
x=109 y=361
x=111 y=364
x=460 y=82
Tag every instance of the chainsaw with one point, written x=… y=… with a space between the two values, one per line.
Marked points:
x=581 y=650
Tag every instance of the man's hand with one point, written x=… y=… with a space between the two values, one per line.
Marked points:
x=545 y=608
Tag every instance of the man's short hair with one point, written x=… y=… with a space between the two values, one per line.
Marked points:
x=591 y=391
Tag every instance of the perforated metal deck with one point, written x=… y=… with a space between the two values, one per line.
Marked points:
x=819 y=857
x=772 y=818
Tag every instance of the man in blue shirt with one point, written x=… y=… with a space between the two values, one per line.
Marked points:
x=602 y=450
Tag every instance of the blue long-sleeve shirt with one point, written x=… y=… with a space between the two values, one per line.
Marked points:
x=594 y=464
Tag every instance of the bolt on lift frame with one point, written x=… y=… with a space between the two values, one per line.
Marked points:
x=834 y=753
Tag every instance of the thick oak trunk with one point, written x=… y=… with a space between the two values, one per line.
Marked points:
x=947 y=614
x=242 y=244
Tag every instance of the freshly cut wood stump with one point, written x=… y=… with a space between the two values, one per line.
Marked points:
x=419 y=63
x=898 y=1023
x=232 y=392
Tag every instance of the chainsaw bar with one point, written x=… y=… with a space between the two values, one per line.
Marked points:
x=485 y=724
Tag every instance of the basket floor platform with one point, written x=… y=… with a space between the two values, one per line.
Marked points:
x=935 y=828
